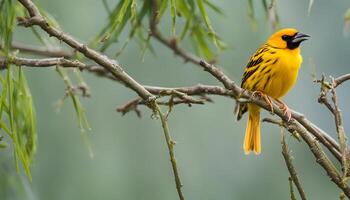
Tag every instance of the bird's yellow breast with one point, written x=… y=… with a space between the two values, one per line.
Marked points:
x=272 y=71
x=284 y=73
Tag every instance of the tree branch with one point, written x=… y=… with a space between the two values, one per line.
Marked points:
x=341 y=132
x=338 y=81
x=289 y=163
x=45 y=62
x=317 y=151
x=324 y=88
x=42 y=51
x=182 y=93
x=170 y=143
x=330 y=87
x=198 y=89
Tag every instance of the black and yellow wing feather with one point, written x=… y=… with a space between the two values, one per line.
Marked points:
x=258 y=73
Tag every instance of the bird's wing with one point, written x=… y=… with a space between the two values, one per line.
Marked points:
x=263 y=57
x=254 y=63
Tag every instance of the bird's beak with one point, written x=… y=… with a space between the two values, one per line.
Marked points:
x=299 y=37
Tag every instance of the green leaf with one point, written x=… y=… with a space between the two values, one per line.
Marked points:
x=79 y=109
x=28 y=122
x=10 y=99
x=146 y=45
x=264 y=2
x=347 y=15
x=50 y=19
x=7 y=20
x=135 y=19
x=162 y=8
x=18 y=123
x=4 y=127
x=192 y=4
x=199 y=41
x=272 y=15
x=117 y=21
x=22 y=120
x=3 y=103
x=105 y=5
x=173 y=17
x=188 y=12
x=204 y=14
x=251 y=13
x=3 y=145
x=205 y=17
x=185 y=29
x=116 y=34
x=214 y=7
x=108 y=29
x=133 y=8
x=185 y=9
x=346 y=22
x=38 y=36
x=136 y=28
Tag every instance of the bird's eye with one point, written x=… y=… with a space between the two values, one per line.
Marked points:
x=285 y=37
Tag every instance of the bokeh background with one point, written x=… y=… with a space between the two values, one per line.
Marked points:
x=131 y=159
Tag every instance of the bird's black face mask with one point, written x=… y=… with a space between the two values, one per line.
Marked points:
x=295 y=40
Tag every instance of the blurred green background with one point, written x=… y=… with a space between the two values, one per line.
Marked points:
x=131 y=159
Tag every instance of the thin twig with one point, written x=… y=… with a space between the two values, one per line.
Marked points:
x=177 y=96
x=324 y=88
x=342 y=196
x=198 y=89
x=44 y=62
x=330 y=87
x=293 y=173
x=291 y=189
x=341 y=132
x=42 y=51
x=133 y=104
x=341 y=79
x=321 y=136
x=319 y=154
x=130 y=106
x=170 y=143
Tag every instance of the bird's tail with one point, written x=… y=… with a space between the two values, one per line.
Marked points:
x=252 y=133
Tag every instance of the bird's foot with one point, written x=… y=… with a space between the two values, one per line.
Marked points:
x=266 y=99
x=285 y=109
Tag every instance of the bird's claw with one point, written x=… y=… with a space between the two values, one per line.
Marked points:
x=266 y=99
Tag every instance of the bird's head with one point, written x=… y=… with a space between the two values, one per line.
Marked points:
x=288 y=38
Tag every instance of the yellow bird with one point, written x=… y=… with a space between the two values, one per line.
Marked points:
x=271 y=71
